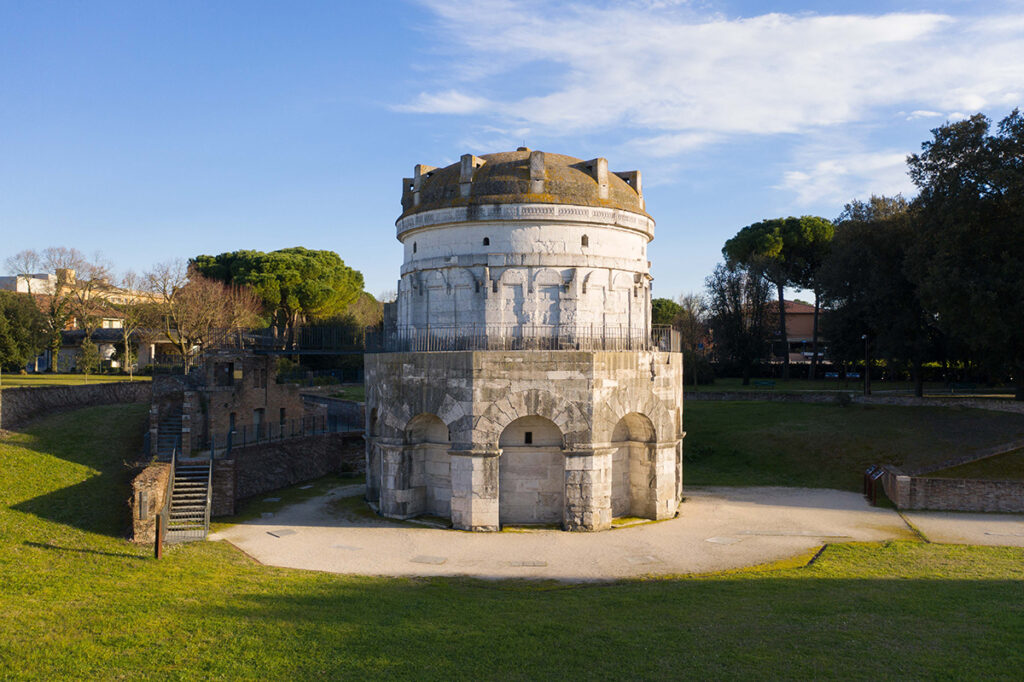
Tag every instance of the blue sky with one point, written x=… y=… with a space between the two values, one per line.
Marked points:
x=160 y=130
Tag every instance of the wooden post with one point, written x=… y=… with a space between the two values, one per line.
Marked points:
x=158 y=542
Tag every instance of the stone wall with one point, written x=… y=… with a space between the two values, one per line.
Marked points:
x=258 y=469
x=479 y=399
x=513 y=265
x=20 y=405
x=953 y=494
x=149 y=490
x=857 y=398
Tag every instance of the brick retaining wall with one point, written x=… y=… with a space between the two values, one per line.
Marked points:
x=25 y=403
x=261 y=468
x=953 y=494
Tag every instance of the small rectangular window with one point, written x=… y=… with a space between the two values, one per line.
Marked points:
x=528 y=437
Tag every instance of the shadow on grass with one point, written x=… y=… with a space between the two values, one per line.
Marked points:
x=79 y=550
x=777 y=627
x=99 y=441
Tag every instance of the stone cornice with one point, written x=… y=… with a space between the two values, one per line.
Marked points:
x=560 y=213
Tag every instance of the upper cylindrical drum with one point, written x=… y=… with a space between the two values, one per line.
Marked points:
x=524 y=243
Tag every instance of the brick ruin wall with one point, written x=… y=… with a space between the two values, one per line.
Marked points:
x=953 y=494
x=23 y=404
x=149 y=488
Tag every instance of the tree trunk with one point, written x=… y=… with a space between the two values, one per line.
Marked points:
x=1019 y=395
x=782 y=333
x=814 y=340
x=867 y=374
x=918 y=378
x=746 y=375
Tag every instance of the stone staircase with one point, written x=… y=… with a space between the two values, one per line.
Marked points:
x=189 y=514
x=168 y=435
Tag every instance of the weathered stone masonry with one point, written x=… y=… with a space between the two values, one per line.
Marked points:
x=532 y=395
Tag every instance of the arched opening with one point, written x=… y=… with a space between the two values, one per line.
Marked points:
x=585 y=241
x=427 y=438
x=487 y=241
x=633 y=441
x=531 y=472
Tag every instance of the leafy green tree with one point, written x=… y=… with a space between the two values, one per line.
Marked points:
x=663 y=311
x=969 y=258
x=21 y=330
x=869 y=293
x=788 y=251
x=295 y=284
x=88 y=361
x=737 y=307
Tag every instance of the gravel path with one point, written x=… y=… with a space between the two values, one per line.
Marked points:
x=718 y=528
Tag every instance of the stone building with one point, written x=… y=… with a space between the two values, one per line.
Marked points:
x=232 y=393
x=520 y=382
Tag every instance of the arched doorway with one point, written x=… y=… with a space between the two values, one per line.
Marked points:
x=632 y=439
x=531 y=472
x=427 y=437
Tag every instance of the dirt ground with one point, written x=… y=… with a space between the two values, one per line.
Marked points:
x=717 y=529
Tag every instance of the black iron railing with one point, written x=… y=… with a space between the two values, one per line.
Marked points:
x=523 y=337
x=222 y=444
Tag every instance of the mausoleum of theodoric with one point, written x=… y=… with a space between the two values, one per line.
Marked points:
x=517 y=379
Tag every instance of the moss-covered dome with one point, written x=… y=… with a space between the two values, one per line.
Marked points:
x=505 y=178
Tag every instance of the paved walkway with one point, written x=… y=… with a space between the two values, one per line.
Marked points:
x=718 y=528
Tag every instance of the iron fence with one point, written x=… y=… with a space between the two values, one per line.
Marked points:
x=221 y=445
x=523 y=337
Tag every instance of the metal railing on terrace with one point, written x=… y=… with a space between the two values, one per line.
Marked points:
x=523 y=337
x=220 y=445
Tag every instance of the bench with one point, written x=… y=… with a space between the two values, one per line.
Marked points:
x=769 y=383
x=831 y=375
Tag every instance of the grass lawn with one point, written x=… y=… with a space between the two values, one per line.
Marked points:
x=827 y=446
x=356 y=392
x=44 y=379
x=1008 y=466
x=931 y=389
x=79 y=602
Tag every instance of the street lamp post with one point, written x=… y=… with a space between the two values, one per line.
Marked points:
x=867 y=370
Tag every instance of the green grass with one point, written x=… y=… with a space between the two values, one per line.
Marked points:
x=356 y=392
x=931 y=389
x=1008 y=466
x=44 y=379
x=79 y=602
x=827 y=446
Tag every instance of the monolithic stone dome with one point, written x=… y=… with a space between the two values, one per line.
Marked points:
x=522 y=176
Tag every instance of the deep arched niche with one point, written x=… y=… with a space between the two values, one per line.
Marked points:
x=531 y=472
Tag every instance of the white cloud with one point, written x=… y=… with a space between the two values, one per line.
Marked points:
x=676 y=79
x=448 y=102
x=838 y=179
x=923 y=113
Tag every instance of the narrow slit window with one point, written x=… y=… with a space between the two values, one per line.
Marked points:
x=487 y=241
x=585 y=241
x=528 y=437
x=414 y=247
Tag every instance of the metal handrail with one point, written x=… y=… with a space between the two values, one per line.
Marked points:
x=251 y=434
x=209 y=497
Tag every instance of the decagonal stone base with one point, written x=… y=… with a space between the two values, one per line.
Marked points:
x=612 y=416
